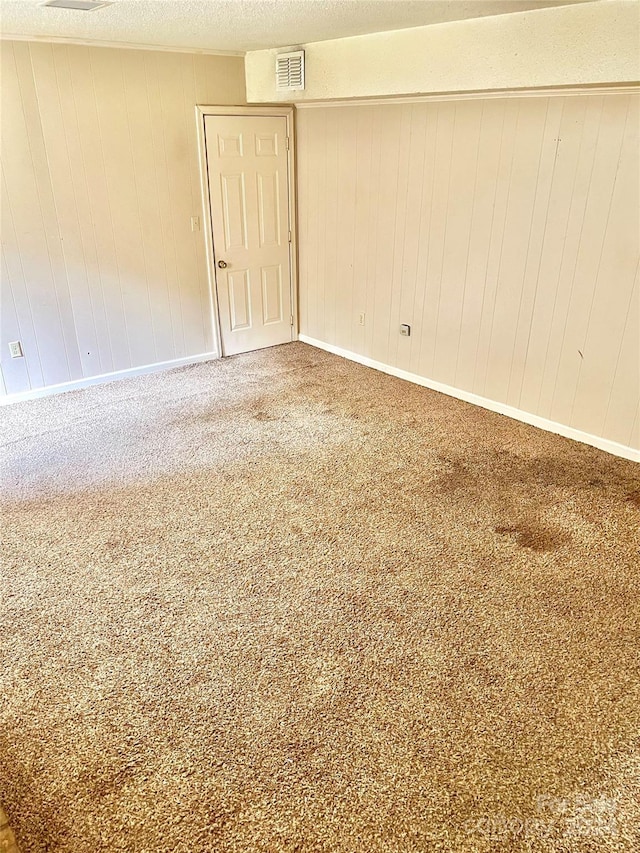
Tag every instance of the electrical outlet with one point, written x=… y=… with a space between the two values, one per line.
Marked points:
x=195 y=223
x=405 y=330
x=15 y=349
x=361 y=318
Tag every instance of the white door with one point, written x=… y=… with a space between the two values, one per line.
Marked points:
x=249 y=201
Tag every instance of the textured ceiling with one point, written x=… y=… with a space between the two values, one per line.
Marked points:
x=241 y=25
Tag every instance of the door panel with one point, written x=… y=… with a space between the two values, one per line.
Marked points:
x=249 y=200
x=239 y=300
x=266 y=145
x=269 y=209
x=271 y=295
x=230 y=146
x=234 y=207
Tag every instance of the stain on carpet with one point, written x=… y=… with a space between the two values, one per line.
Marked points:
x=634 y=498
x=537 y=537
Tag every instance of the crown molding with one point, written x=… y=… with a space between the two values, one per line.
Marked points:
x=118 y=44
x=471 y=95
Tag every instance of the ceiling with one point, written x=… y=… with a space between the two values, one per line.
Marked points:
x=241 y=25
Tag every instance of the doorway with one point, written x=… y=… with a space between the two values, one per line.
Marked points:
x=247 y=183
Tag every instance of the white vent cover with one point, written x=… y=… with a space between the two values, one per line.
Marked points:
x=82 y=5
x=290 y=71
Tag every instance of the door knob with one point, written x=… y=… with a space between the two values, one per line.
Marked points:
x=222 y=265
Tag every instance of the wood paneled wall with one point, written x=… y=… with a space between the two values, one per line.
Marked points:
x=506 y=233
x=100 y=269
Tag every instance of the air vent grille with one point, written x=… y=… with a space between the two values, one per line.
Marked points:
x=78 y=5
x=290 y=71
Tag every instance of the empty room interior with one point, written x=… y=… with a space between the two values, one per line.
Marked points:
x=320 y=426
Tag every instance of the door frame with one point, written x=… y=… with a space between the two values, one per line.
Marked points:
x=280 y=111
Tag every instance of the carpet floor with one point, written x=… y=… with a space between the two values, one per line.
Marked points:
x=282 y=602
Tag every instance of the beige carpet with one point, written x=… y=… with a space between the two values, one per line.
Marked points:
x=286 y=603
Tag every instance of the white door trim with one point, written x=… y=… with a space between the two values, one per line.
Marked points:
x=288 y=113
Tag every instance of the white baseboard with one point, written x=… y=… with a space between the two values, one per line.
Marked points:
x=105 y=377
x=501 y=408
